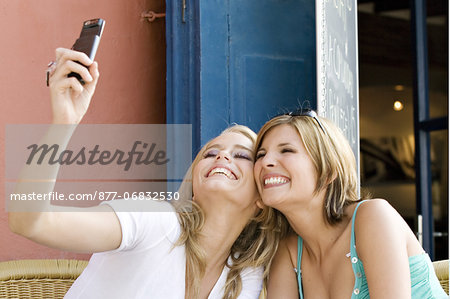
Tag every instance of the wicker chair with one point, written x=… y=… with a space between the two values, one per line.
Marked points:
x=441 y=268
x=38 y=278
x=52 y=278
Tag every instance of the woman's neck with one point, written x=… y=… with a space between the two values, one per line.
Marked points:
x=220 y=231
x=218 y=234
x=309 y=222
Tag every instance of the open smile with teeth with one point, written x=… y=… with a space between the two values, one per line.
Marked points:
x=275 y=181
x=222 y=171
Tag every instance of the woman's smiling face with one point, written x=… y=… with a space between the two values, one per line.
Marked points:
x=284 y=171
x=226 y=166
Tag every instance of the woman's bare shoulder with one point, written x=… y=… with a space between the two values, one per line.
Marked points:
x=374 y=210
x=377 y=225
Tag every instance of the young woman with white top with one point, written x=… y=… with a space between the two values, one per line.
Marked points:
x=219 y=249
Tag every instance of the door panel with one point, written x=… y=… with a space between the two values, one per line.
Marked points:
x=283 y=88
x=257 y=60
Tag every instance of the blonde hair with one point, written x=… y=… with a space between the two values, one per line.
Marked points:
x=255 y=246
x=332 y=156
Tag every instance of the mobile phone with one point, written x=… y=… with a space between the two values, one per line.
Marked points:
x=88 y=41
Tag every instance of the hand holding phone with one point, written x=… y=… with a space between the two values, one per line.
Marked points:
x=88 y=41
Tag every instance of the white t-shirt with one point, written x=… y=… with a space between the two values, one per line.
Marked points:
x=147 y=265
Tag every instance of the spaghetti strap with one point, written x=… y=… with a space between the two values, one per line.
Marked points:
x=360 y=288
x=352 y=240
x=299 y=263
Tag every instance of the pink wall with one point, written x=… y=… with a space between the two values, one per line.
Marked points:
x=132 y=65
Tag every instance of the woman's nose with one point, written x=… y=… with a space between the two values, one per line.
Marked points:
x=268 y=160
x=223 y=155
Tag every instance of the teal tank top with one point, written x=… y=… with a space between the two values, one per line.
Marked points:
x=424 y=283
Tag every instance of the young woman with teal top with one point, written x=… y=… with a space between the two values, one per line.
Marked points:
x=306 y=170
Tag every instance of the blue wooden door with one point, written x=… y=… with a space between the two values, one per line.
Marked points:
x=240 y=62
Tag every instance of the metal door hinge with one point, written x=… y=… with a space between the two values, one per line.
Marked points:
x=151 y=15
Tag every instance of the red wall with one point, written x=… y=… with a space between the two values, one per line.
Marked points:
x=132 y=66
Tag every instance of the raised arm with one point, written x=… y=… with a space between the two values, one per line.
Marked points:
x=82 y=229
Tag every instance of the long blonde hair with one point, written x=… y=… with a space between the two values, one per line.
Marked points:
x=255 y=246
x=332 y=156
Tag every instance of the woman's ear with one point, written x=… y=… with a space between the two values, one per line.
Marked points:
x=259 y=203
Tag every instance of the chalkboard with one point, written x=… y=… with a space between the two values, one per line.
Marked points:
x=337 y=66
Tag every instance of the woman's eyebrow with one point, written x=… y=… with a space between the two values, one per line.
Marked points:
x=279 y=145
x=215 y=145
x=243 y=147
x=221 y=147
x=284 y=144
